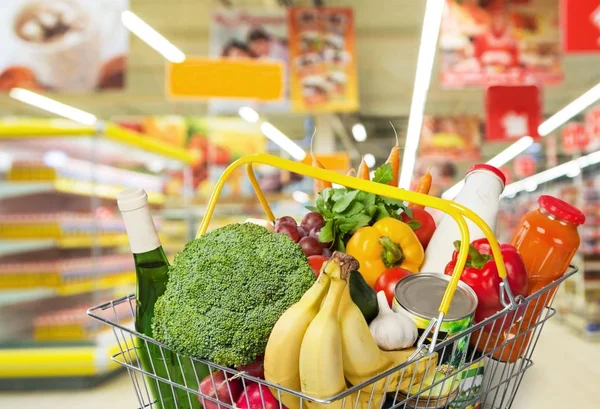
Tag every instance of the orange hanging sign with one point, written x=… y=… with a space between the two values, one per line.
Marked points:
x=203 y=78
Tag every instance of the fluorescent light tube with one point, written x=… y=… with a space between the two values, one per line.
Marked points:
x=570 y=111
x=571 y=168
x=248 y=114
x=500 y=159
x=282 y=141
x=429 y=37
x=53 y=106
x=359 y=132
x=151 y=37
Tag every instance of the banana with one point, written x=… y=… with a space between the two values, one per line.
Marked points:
x=362 y=358
x=321 y=357
x=282 y=355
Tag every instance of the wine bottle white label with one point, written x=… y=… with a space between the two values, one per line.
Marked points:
x=133 y=204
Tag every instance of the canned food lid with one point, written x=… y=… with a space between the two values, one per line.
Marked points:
x=422 y=293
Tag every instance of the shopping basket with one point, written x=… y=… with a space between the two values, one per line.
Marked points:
x=480 y=379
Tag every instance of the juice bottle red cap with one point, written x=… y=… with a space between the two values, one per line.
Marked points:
x=490 y=168
x=561 y=210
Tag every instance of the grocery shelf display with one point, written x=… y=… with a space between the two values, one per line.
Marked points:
x=63 y=247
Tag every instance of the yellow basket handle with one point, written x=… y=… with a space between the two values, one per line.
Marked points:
x=455 y=210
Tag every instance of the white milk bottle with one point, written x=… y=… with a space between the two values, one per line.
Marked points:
x=481 y=194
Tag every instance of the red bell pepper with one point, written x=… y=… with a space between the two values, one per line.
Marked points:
x=481 y=274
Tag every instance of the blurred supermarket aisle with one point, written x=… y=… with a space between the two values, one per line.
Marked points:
x=566 y=374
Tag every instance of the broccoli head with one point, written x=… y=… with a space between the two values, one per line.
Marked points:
x=226 y=291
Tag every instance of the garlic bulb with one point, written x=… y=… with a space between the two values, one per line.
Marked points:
x=392 y=330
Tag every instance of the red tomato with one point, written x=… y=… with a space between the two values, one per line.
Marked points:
x=427 y=228
x=315 y=262
x=386 y=282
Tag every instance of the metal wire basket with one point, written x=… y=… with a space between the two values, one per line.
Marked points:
x=487 y=374
x=480 y=379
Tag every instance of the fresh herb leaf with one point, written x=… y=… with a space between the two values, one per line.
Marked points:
x=312 y=208
x=414 y=224
x=346 y=224
x=381 y=212
x=337 y=194
x=342 y=203
x=392 y=202
x=367 y=199
x=326 y=193
x=371 y=210
x=339 y=244
x=326 y=233
x=383 y=174
x=354 y=208
x=361 y=220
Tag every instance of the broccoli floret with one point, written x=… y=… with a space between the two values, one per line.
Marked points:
x=226 y=291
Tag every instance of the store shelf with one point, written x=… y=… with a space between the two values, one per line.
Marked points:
x=50 y=129
x=58 y=362
x=58 y=286
x=21 y=246
x=24 y=246
x=68 y=186
x=8 y=298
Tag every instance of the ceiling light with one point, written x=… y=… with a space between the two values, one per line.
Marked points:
x=530 y=186
x=574 y=171
x=427 y=49
x=300 y=197
x=6 y=161
x=570 y=111
x=499 y=160
x=55 y=159
x=151 y=37
x=359 y=132
x=571 y=169
x=282 y=141
x=369 y=160
x=248 y=114
x=53 y=106
x=511 y=152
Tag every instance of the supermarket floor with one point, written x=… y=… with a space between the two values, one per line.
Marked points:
x=566 y=374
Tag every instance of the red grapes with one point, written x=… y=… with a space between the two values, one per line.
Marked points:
x=306 y=234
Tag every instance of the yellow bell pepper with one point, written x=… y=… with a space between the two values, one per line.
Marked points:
x=388 y=243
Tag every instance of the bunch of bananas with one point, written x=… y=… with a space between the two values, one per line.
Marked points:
x=323 y=343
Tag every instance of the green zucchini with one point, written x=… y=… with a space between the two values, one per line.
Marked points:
x=363 y=296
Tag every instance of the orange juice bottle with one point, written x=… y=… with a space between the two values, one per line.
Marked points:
x=547 y=240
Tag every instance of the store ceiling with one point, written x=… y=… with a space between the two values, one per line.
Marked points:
x=388 y=33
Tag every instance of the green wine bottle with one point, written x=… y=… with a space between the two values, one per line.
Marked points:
x=152 y=275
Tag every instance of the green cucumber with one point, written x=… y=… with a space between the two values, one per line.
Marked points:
x=363 y=296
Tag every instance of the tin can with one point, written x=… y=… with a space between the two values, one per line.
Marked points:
x=470 y=387
x=419 y=296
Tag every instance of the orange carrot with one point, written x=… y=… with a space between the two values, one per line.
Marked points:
x=319 y=184
x=423 y=187
x=394 y=160
x=363 y=171
x=351 y=172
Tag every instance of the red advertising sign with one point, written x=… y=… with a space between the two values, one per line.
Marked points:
x=574 y=137
x=512 y=112
x=524 y=166
x=592 y=123
x=580 y=25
